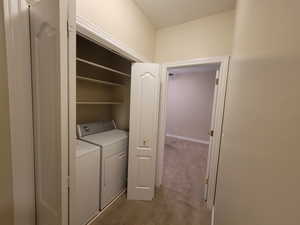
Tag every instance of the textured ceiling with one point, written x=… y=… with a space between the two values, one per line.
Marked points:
x=164 y=13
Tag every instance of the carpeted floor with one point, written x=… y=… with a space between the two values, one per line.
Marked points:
x=185 y=167
x=180 y=199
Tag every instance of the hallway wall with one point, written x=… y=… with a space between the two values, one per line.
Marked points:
x=189 y=107
x=258 y=181
x=205 y=37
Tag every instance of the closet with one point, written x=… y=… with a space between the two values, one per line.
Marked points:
x=103 y=85
x=102 y=119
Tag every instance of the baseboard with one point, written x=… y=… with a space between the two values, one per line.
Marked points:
x=188 y=139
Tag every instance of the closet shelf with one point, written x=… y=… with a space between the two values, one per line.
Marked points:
x=98 y=81
x=103 y=67
x=97 y=103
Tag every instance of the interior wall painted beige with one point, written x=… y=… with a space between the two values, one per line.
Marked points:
x=205 y=37
x=123 y=20
x=258 y=181
x=6 y=199
x=189 y=107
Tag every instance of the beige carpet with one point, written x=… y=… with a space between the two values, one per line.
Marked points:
x=184 y=172
x=180 y=199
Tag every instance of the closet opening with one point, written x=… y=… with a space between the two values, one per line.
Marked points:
x=103 y=80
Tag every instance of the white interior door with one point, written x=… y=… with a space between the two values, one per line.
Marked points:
x=212 y=162
x=144 y=106
x=49 y=43
x=211 y=139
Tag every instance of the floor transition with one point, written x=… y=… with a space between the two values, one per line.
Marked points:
x=180 y=199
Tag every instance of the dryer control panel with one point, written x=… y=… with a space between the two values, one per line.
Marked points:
x=85 y=129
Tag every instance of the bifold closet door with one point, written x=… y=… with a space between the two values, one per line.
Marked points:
x=49 y=43
x=144 y=107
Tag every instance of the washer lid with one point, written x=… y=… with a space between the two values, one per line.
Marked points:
x=107 y=138
x=83 y=148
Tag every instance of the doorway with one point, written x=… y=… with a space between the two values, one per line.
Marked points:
x=176 y=139
x=190 y=103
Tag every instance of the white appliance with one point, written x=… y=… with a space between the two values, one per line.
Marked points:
x=87 y=181
x=114 y=148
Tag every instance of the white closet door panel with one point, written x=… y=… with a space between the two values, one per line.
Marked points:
x=46 y=105
x=146 y=116
x=145 y=87
x=48 y=19
x=144 y=164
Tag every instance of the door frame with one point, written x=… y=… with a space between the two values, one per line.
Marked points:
x=224 y=65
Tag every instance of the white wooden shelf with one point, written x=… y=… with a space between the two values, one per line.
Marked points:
x=97 y=103
x=103 y=67
x=98 y=81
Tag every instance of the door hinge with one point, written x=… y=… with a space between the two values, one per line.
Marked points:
x=217 y=81
x=206 y=180
x=211 y=133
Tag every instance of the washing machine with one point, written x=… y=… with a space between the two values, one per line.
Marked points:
x=113 y=145
x=87 y=181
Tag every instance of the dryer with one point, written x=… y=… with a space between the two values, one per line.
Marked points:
x=114 y=151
